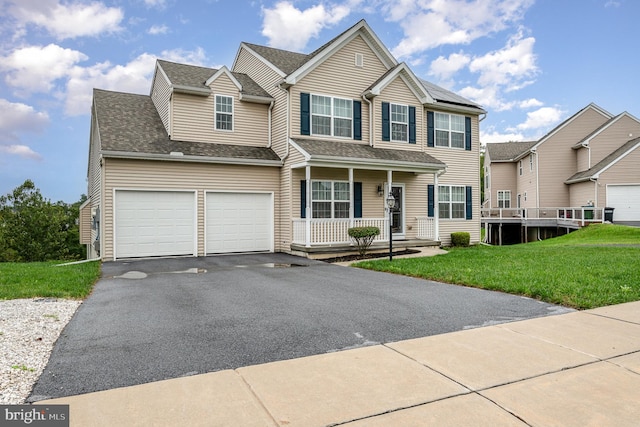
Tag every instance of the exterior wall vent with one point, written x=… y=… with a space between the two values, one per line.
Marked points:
x=359 y=60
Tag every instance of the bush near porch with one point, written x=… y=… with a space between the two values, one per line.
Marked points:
x=592 y=267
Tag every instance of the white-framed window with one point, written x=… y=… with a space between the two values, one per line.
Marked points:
x=520 y=167
x=399 y=122
x=504 y=199
x=224 y=112
x=331 y=116
x=330 y=199
x=451 y=201
x=487 y=181
x=449 y=130
x=530 y=162
x=525 y=196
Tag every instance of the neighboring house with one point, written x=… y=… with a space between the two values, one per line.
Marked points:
x=590 y=159
x=283 y=152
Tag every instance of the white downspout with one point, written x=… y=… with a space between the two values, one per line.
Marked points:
x=364 y=98
x=288 y=95
x=307 y=208
x=436 y=208
x=270 y=125
x=351 y=198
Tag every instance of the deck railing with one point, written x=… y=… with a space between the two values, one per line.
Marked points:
x=581 y=215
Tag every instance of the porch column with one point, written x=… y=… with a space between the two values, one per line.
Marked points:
x=307 y=208
x=390 y=184
x=436 y=209
x=351 y=197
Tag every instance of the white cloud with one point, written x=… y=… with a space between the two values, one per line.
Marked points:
x=17 y=118
x=530 y=103
x=488 y=97
x=67 y=20
x=35 y=69
x=290 y=28
x=508 y=66
x=491 y=137
x=194 y=57
x=444 y=68
x=431 y=23
x=160 y=4
x=541 y=118
x=158 y=29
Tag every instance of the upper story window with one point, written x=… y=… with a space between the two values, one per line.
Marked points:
x=520 y=167
x=224 y=112
x=530 y=162
x=449 y=130
x=399 y=123
x=331 y=116
x=330 y=199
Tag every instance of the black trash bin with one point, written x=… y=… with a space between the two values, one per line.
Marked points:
x=608 y=214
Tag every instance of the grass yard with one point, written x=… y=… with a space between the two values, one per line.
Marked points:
x=46 y=279
x=596 y=266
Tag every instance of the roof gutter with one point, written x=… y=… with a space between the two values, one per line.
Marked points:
x=177 y=156
x=256 y=98
x=401 y=166
x=189 y=90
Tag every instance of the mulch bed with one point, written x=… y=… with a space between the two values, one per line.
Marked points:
x=358 y=257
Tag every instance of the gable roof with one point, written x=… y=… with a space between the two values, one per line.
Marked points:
x=605 y=163
x=183 y=76
x=130 y=127
x=335 y=152
x=414 y=84
x=508 y=151
x=603 y=127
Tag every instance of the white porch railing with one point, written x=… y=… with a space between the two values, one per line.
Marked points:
x=426 y=228
x=335 y=231
x=582 y=215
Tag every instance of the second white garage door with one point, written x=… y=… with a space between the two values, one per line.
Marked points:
x=239 y=222
x=626 y=201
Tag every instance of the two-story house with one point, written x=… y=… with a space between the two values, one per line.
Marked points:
x=565 y=179
x=282 y=152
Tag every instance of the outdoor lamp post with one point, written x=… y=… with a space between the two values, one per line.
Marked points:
x=391 y=202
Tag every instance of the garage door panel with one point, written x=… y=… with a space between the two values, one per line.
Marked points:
x=154 y=223
x=239 y=222
x=626 y=201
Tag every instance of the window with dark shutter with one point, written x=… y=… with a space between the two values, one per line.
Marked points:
x=305 y=114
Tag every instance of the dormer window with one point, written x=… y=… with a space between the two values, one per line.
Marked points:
x=224 y=113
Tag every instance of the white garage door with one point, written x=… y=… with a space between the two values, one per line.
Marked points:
x=239 y=222
x=626 y=201
x=154 y=223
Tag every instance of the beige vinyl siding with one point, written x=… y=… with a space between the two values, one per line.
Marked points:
x=289 y=207
x=161 y=97
x=612 y=138
x=397 y=92
x=338 y=76
x=268 y=79
x=557 y=159
x=96 y=183
x=85 y=224
x=503 y=177
x=525 y=184
x=581 y=193
x=625 y=171
x=582 y=159
x=194 y=118
x=200 y=177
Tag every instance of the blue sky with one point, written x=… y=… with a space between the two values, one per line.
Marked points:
x=530 y=63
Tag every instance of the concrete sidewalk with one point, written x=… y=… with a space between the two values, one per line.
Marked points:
x=576 y=369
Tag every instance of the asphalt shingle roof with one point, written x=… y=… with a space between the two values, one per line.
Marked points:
x=130 y=123
x=194 y=76
x=598 y=167
x=508 y=151
x=351 y=150
x=285 y=61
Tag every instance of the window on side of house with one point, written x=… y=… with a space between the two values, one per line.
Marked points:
x=331 y=116
x=504 y=199
x=530 y=162
x=330 y=199
x=520 y=167
x=224 y=112
x=399 y=122
x=449 y=130
x=451 y=201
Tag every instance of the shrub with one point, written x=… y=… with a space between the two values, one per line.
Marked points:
x=363 y=237
x=460 y=238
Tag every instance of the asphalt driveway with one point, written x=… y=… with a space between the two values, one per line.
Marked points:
x=151 y=320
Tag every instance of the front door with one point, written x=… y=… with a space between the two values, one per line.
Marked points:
x=397 y=213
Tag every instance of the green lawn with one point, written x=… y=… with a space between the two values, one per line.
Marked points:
x=47 y=279
x=593 y=267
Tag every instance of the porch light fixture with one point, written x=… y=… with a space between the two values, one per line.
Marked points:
x=391 y=202
x=380 y=190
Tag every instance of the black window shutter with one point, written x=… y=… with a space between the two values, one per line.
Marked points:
x=305 y=114
x=430 y=129
x=412 y=125
x=468 y=203
x=386 y=126
x=357 y=200
x=303 y=198
x=430 y=200
x=357 y=120
x=467 y=133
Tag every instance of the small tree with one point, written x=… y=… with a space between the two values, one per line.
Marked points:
x=363 y=236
